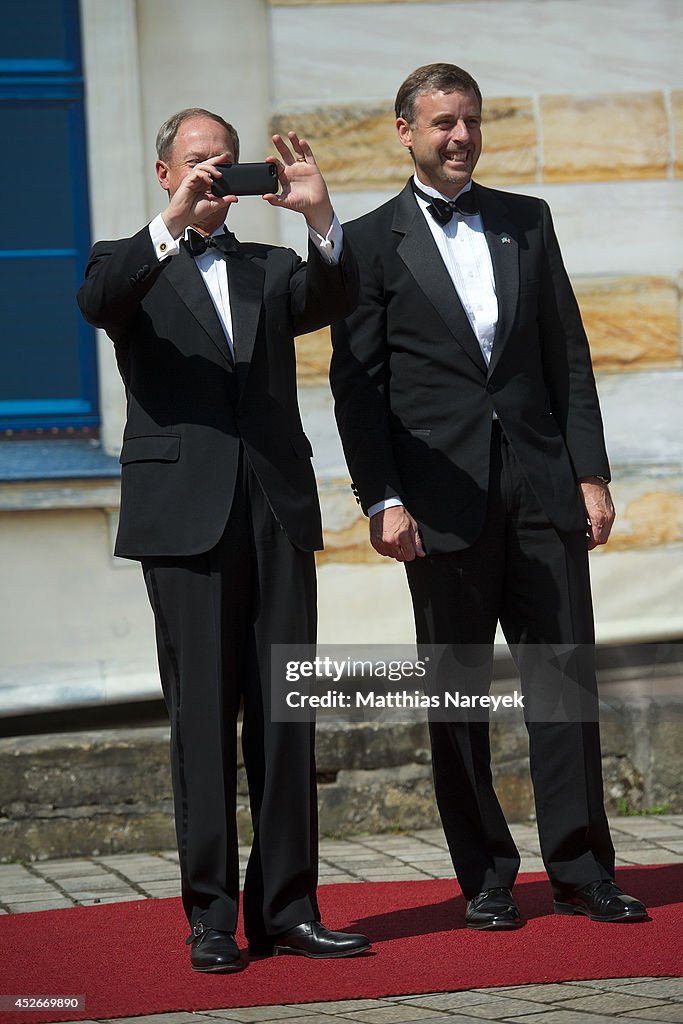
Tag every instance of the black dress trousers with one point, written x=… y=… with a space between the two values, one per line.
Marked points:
x=216 y=614
x=534 y=580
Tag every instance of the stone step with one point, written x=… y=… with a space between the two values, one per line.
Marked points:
x=108 y=791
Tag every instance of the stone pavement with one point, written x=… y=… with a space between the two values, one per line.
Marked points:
x=43 y=885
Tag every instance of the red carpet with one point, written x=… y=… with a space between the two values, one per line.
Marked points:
x=128 y=959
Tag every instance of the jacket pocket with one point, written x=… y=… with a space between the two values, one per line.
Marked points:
x=151 y=448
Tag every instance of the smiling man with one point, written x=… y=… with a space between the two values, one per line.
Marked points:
x=219 y=504
x=469 y=417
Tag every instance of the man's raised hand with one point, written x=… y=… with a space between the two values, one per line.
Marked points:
x=193 y=202
x=302 y=186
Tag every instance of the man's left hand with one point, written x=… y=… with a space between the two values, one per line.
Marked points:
x=303 y=187
x=599 y=510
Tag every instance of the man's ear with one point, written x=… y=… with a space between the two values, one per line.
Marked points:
x=404 y=132
x=162 y=174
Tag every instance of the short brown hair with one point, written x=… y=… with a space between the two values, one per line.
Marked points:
x=432 y=78
x=169 y=129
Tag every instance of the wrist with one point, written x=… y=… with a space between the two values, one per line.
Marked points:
x=320 y=219
x=174 y=225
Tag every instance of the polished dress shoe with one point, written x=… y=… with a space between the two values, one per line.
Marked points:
x=493 y=910
x=213 y=951
x=311 y=939
x=602 y=901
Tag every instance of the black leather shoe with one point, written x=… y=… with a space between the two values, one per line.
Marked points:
x=213 y=951
x=493 y=910
x=314 y=940
x=602 y=901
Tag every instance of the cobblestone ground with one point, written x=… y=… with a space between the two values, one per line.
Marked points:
x=46 y=885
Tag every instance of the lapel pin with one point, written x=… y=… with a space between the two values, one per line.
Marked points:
x=505 y=239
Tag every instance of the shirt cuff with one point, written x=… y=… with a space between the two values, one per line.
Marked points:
x=162 y=240
x=330 y=247
x=381 y=506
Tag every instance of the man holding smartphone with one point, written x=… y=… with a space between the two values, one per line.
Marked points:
x=219 y=504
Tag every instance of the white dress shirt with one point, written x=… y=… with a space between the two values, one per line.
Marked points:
x=212 y=266
x=462 y=246
x=463 y=249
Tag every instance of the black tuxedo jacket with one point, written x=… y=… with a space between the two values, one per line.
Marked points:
x=414 y=398
x=189 y=405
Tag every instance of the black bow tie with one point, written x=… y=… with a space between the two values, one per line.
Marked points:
x=197 y=244
x=442 y=210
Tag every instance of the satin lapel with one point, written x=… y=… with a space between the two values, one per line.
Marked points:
x=419 y=252
x=501 y=236
x=245 y=283
x=184 y=277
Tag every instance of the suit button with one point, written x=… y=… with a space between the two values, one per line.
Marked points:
x=490 y=389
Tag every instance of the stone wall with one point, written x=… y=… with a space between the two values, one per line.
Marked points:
x=583 y=106
x=91 y=793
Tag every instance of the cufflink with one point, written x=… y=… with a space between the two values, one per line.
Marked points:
x=163 y=246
